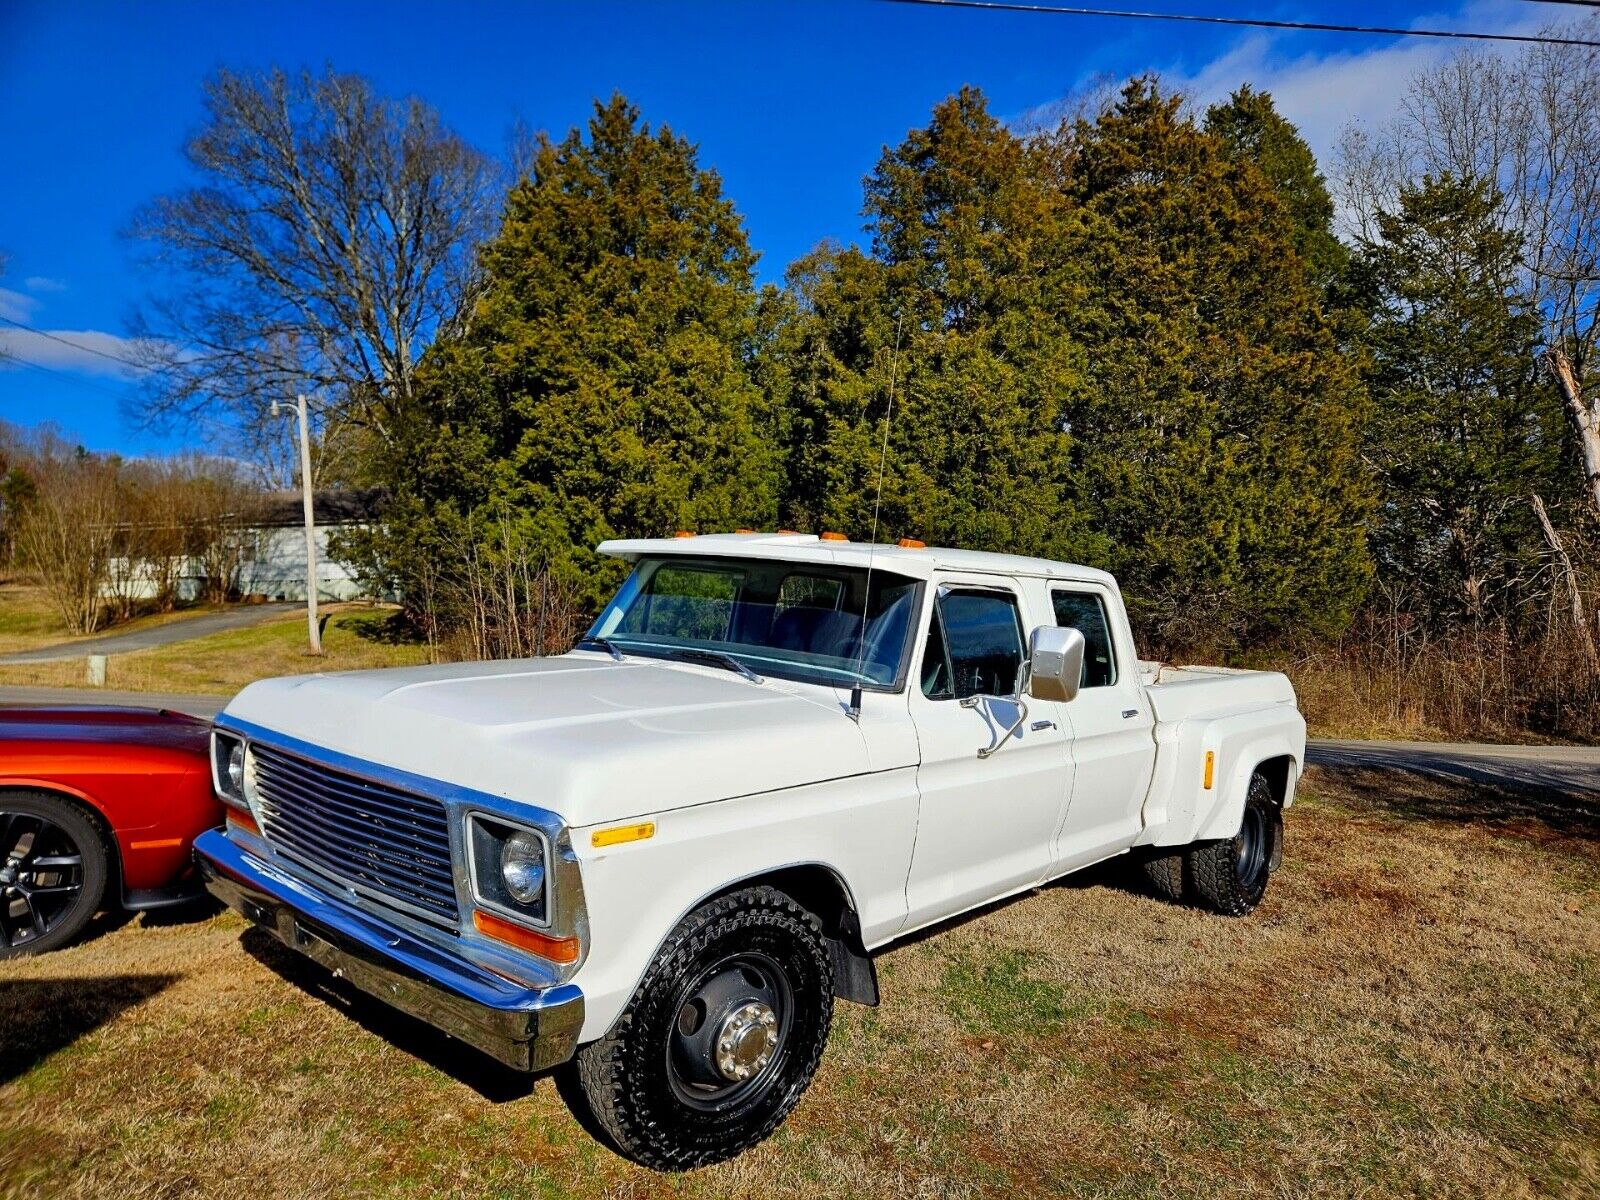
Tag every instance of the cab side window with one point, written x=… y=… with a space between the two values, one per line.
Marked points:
x=974 y=646
x=1086 y=612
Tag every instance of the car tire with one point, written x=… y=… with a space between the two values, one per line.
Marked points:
x=1163 y=874
x=53 y=872
x=743 y=984
x=1230 y=876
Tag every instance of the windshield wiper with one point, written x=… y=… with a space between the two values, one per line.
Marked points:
x=604 y=644
x=715 y=658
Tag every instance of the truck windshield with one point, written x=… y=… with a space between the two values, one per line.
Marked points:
x=793 y=620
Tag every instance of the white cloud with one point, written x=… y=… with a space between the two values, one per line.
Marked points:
x=43 y=283
x=14 y=306
x=1324 y=93
x=85 y=350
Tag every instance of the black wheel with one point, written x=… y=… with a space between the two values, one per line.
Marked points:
x=52 y=872
x=1230 y=877
x=721 y=1038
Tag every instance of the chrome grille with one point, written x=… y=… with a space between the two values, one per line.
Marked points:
x=391 y=845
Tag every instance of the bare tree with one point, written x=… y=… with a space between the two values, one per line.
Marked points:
x=68 y=531
x=332 y=234
x=1530 y=123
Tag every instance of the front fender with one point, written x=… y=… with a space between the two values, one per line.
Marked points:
x=861 y=829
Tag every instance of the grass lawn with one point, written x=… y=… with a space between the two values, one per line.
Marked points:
x=354 y=638
x=1414 y=1011
x=28 y=619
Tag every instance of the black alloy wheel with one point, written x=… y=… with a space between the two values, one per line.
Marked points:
x=52 y=872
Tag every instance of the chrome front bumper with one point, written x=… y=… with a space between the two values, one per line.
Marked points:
x=529 y=1029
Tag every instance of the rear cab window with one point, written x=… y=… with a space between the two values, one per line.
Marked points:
x=1086 y=612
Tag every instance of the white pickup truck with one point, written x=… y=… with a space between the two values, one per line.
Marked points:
x=660 y=857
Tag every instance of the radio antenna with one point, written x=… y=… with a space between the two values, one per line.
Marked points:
x=854 y=711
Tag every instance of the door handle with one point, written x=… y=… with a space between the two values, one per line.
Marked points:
x=1129 y=713
x=1040 y=725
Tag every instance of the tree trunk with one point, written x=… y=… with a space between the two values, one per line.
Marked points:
x=1585 y=415
x=1580 y=620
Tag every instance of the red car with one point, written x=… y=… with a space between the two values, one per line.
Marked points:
x=99 y=808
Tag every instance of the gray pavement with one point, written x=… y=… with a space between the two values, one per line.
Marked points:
x=1571 y=769
x=182 y=629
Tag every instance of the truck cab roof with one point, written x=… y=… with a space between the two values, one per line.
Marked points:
x=918 y=562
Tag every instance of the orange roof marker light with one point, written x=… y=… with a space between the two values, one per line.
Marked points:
x=911 y=544
x=832 y=536
x=682 y=533
x=744 y=530
x=789 y=531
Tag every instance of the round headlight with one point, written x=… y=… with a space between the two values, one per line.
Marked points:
x=236 y=769
x=522 y=867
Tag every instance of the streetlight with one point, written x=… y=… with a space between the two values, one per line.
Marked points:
x=311 y=528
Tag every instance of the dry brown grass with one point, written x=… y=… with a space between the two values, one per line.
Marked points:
x=356 y=637
x=1414 y=1011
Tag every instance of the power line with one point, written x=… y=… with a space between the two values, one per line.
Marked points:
x=55 y=337
x=7 y=358
x=1579 y=3
x=1255 y=22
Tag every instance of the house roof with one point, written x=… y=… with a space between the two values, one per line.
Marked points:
x=330 y=506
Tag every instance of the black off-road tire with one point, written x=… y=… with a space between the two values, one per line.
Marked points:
x=1163 y=874
x=19 y=812
x=1230 y=877
x=628 y=1080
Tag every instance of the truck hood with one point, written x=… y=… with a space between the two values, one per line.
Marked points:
x=583 y=736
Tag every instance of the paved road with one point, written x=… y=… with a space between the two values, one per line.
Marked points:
x=200 y=706
x=1561 y=768
x=182 y=629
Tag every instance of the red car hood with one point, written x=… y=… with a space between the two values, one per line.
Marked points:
x=105 y=723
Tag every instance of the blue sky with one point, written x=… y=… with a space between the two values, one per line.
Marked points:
x=791 y=103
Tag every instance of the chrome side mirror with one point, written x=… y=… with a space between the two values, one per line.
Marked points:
x=1055 y=662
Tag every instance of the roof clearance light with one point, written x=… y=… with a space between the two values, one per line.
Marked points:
x=744 y=530
x=911 y=544
x=791 y=532
x=683 y=533
x=831 y=536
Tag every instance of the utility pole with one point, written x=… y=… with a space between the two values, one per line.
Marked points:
x=312 y=630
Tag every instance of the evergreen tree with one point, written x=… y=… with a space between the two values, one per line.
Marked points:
x=964 y=306
x=1220 y=433
x=1250 y=127
x=602 y=385
x=1464 y=427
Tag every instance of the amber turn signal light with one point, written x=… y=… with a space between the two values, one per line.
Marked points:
x=243 y=820
x=1211 y=766
x=557 y=950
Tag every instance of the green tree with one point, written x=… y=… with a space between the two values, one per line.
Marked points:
x=602 y=385
x=1250 y=127
x=1220 y=432
x=963 y=306
x=1464 y=429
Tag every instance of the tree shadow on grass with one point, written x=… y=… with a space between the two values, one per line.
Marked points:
x=41 y=1016
x=384 y=628
x=492 y=1080
x=1442 y=793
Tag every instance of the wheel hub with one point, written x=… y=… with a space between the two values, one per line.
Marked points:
x=746 y=1041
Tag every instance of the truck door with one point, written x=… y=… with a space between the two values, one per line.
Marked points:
x=986 y=826
x=1113 y=745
